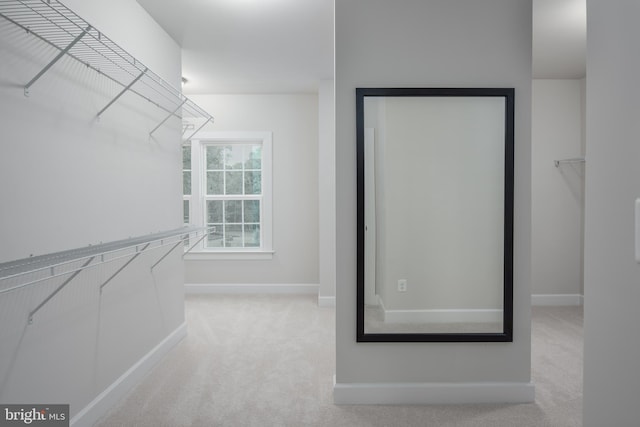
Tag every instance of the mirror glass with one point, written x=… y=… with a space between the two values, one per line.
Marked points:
x=435 y=214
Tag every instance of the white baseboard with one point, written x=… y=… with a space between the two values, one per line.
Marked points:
x=443 y=316
x=260 y=288
x=326 y=301
x=440 y=315
x=99 y=406
x=557 y=299
x=432 y=393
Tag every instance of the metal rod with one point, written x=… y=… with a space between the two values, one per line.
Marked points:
x=58 y=289
x=167 y=254
x=195 y=244
x=574 y=160
x=122 y=92
x=54 y=60
x=186 y=127
x=136 y=255
x=196 y=131
x=169 y=116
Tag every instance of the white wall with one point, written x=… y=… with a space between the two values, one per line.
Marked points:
x=293 y=119
x=327 y=192
x=70 y=181
x=431 y=43
x=557 y=192
x=611 y=276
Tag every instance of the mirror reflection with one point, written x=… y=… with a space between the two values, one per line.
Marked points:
x=435 y=214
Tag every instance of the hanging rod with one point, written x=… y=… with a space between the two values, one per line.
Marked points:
x=573 y=160
x=60 y=27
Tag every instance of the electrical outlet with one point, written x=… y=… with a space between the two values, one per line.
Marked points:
x=402 y=285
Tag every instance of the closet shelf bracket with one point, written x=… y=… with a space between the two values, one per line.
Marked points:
x=62 y=53
x=173 y=113
x=126 y=264
x=123 y=91
x=210 y=119
x=58 y=289
x=195 y=244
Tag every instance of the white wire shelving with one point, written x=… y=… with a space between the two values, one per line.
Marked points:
x=67 y=265
x=60 y=27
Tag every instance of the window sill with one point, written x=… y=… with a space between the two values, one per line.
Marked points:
x=204 y=255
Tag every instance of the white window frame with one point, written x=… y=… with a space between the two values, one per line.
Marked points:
x=197 y=210
x=187 y=197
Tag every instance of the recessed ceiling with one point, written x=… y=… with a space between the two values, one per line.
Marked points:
x=285 y=46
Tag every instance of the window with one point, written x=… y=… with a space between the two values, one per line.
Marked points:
x=227 y=188
x=186 y=182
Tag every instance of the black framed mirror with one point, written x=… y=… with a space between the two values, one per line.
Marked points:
x=435 y=214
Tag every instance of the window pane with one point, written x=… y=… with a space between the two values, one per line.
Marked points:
x=252 y=236
x=214 y=158
x=233 y=183
x=185 y=211
x=251 y=211
x=233 y=211
x=214 y=211
x=215 y=183
x=253 y=154
x=233 y=157
x=186 y=157
x=186 y=183
x=233 y=236
x=215 y=237
x=252 y=182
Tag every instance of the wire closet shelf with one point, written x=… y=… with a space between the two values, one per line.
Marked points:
x=60 y=27
x=66 y=265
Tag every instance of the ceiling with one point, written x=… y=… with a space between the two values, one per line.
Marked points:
x=559 y=39
x=250 y=46
x=284 y=46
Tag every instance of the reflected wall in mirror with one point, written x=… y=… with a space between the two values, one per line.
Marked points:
x=435 y=214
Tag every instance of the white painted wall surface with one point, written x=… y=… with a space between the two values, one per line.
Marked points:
x=293 y=119
x=70 y=181
x=327 y=192
x=431 y=43
x=612 y=277
x=557 y=192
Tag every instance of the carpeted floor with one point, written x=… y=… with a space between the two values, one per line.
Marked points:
x=269 y=360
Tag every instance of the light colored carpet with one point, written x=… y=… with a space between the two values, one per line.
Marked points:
x=270 y=360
